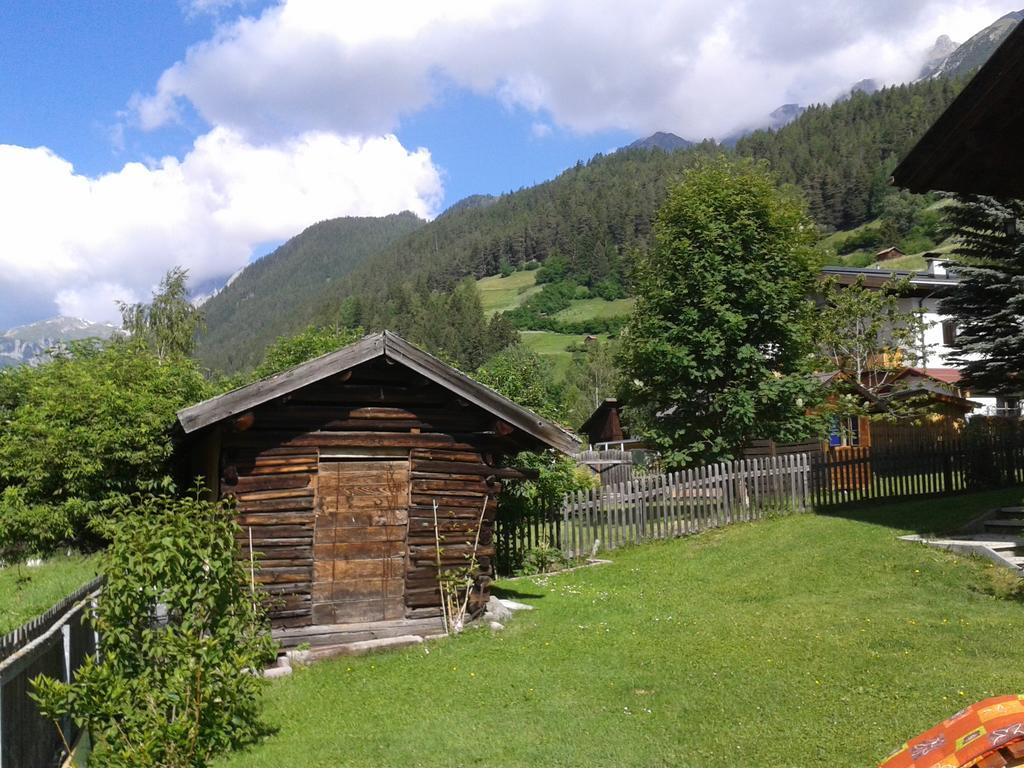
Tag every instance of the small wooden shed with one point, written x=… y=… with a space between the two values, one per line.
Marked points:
x=336 y=466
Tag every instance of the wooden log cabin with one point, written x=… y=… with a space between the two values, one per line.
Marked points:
x=336 y=466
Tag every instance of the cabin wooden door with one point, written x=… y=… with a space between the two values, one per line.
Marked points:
x=359 y=541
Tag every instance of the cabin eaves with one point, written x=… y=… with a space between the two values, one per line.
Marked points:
x=378 y=345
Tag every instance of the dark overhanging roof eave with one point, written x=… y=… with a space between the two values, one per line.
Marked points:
x=606 y=405
x=239 y=400
x=973 y=147
x=384 y=344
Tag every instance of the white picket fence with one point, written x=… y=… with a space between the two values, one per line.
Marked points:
x=681 y=503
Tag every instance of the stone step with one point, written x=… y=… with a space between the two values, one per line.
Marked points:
x=340 y=634
x=360 y=648
x=1004 y=522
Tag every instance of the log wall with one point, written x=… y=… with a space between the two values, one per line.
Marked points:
x=269 y=461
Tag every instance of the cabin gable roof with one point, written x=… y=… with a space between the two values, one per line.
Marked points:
x=378 y=345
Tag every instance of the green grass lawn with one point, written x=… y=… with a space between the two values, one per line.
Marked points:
x=555 y=347
x=596 y=309
x=800 y=641
x=27 y=592
x=499 y=294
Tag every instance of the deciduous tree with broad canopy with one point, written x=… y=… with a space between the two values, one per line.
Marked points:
x=719 y=348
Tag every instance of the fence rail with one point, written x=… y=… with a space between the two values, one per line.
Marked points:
x=680 y=503
x=611 y=465
x=56 y=644
x=902 y=470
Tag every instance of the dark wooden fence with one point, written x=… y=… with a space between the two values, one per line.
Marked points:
x=896 y=470
x=903 y=462
x=54 y=644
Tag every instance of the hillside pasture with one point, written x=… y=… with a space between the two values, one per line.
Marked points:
x=555 y=347
x=500 y=294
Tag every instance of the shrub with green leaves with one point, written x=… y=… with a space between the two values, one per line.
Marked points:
x=181 y=635
x=542 y=558
x=93 y=423
x=537 y=501
x=28 y=529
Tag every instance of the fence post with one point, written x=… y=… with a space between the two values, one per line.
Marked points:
x=947 y=470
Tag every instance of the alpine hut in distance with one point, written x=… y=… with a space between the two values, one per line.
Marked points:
x=336 y=466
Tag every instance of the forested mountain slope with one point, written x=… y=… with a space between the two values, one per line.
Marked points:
x=286 y=290
x=843 y=154
x=589 y=219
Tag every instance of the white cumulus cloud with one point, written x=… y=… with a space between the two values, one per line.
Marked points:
x=81 y=242
x=697 y=67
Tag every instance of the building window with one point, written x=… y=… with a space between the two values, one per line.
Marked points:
x=948 y=332
x=844 y=432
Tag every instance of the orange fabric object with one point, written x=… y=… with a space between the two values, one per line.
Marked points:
x=966 y=738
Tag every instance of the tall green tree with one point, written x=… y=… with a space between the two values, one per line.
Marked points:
x=592 y=376
x=988 y=305
x=89 y=426
x=526 y=378
x=289 y=351
x=864 y=333
x=718 y=348
x=168 y=325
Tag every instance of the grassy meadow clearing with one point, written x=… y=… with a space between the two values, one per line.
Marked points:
x=799 y=641
x=25 y=591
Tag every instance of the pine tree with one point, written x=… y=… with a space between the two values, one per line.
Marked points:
x=988 y=305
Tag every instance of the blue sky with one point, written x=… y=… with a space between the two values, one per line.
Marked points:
x=139 y=136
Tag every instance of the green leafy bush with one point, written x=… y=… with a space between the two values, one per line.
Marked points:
x=537 y=502
x=182 y=634
x=542 y=558
x=28 y=529
x=91 y=425
x=288 y=351
x=526 y=378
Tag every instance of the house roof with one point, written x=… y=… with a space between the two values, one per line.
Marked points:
x=945 y=375
x=937 y=384
x=890 y=249
x=921 y=283
x=974 y=147
x=378 y=345
x=609 y=403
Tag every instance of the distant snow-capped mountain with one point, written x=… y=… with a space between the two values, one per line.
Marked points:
x=28 y=344
x=947 y=59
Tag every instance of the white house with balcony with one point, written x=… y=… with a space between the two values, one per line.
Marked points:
x=926 y=292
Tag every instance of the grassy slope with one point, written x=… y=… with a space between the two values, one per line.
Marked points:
x=911 y=262
x=800 y=641
x=555 y=347
x=499 y=294
x=596 y=309
x=43 y=585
